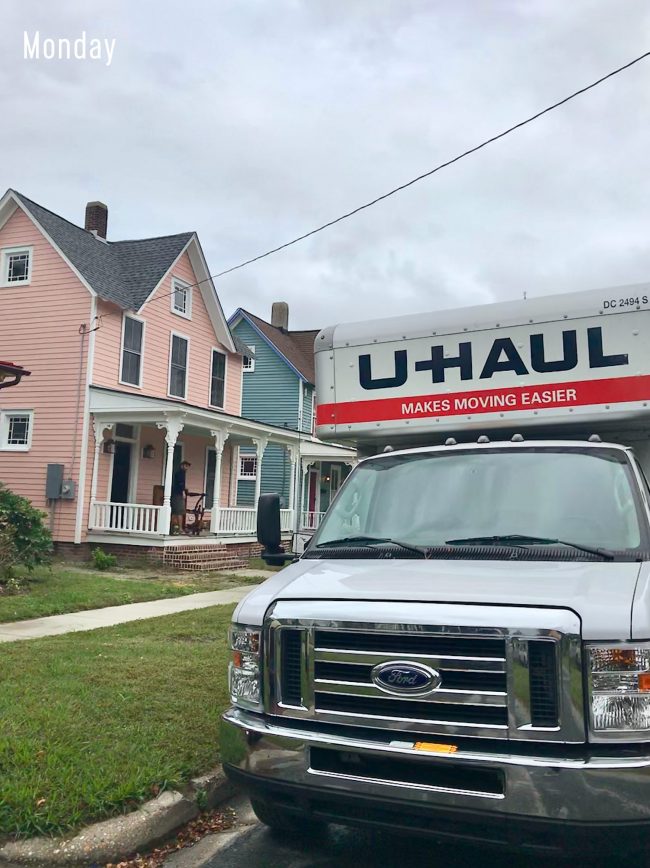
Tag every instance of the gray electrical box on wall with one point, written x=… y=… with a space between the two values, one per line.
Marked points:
x=67 y=489
x=53 y=481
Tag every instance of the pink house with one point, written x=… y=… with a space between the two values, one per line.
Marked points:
x=133 y=369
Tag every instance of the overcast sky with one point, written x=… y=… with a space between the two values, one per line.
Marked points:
x=251 y=122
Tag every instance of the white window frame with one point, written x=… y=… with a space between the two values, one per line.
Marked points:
x=225 y=378
x=246 y=477
x=6 y=252
x=177 y=283
x=173 y=335
x=248 y=369
x=5 y=416
x=122 y=382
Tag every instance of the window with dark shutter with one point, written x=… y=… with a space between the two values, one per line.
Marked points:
x=178 y=367
x=218 y=379
x=132 y=351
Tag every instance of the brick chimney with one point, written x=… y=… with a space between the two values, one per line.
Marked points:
x=280 y=315
x=96 y=218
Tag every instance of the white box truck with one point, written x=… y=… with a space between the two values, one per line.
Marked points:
x=463 y=649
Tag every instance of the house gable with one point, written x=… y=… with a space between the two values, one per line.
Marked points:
x=242 y=315
x=204 y=286
x=271 y=391
x=159 y=322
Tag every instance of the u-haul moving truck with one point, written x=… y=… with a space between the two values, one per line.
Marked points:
x=557 y=360
x=463 y=649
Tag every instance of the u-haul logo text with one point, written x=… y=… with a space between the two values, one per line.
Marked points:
x=502 y=357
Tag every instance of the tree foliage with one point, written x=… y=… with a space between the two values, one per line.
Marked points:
x=25 y=541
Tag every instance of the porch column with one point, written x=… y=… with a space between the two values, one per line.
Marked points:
x=98 y=430
x=304 y=494
x=173 y=428
x=220 y=438
x=294 y=458
x=260 y=446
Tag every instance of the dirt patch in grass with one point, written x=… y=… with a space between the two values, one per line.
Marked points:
x=95 y=723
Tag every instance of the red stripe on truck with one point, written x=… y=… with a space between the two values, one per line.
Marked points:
x=577 y=394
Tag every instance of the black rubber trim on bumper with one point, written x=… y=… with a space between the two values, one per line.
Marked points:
x=475 y=827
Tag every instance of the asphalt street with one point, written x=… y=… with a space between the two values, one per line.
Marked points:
x=252 y=845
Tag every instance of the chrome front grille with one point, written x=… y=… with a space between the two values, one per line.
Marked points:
x=517 y=680
x=472 y=693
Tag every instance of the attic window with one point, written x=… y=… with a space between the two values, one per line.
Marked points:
x=249 y=361
x=181 y=298
x=16 y=266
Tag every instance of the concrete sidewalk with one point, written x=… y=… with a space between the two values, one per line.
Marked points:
x=54 y=625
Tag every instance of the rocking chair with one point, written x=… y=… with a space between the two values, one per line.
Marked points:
x=194 y=515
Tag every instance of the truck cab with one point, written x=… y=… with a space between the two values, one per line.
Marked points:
x=463 y=648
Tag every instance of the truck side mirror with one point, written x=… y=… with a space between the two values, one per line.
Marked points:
x=268 y=530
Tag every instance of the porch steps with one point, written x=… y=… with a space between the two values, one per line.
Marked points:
x=212 y=556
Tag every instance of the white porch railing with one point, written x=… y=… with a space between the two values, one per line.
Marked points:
x=239 y=520
x=311 y=520
x=125 y=517
x=140 y=518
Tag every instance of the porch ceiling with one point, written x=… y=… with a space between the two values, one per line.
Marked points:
x=115 y=406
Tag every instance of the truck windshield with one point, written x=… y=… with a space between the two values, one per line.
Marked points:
x=586 y=496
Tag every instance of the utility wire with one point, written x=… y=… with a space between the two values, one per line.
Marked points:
x=421 y=177
x=437 y=168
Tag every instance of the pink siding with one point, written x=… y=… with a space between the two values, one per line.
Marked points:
x=150 y=471
x=159 y=323
x=39 y=328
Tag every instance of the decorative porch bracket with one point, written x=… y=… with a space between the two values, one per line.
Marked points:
x=173 y=425
x=260 y=447
x=99 y=427
x=220 y=437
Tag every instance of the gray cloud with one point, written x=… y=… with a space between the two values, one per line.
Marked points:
x=253 y=122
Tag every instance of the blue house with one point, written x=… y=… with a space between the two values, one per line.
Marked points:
x=279 y=388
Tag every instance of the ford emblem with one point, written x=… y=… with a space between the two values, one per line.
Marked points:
x=401 y=677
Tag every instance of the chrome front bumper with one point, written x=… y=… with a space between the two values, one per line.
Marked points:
x=598 y=791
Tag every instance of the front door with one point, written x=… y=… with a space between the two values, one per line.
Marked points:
x=121 y=472
x=313 y=487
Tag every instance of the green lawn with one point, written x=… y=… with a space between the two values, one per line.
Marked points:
x=259 y=564
x=94 y=723
x=58 y=590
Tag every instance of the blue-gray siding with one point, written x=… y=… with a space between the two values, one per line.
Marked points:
x=270 y=394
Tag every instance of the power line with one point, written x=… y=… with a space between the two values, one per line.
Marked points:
x=421 y=177
x=437 y=168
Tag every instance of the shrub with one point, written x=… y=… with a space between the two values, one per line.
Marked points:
x=102 y=560
x=24 y=539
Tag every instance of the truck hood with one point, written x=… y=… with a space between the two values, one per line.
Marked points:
x=601 y=594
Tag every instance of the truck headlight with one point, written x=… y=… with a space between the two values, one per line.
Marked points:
x=244 y=674
x=619 y=681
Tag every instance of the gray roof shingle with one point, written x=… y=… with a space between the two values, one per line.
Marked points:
x=124 y=272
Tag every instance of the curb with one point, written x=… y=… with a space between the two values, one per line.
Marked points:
x=121 y=837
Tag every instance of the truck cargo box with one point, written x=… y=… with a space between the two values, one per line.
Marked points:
x=579 y=360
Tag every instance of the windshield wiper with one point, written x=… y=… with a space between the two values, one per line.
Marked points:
x=372 y=540
x=517 y=540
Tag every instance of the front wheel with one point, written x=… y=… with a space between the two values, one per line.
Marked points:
x=282 y=820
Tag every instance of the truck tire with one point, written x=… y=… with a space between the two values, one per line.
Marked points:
x=281 y=820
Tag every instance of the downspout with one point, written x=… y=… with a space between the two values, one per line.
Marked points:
x=83 y=461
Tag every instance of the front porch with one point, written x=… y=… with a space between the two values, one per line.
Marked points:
x=139 y=443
